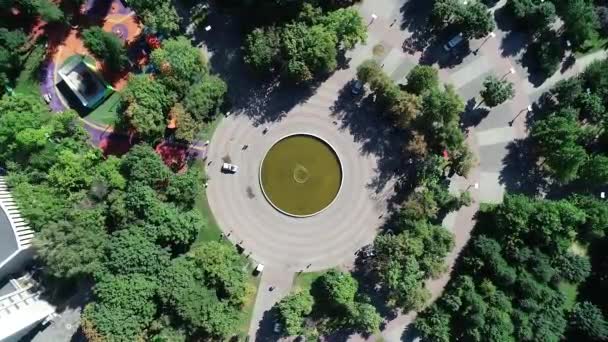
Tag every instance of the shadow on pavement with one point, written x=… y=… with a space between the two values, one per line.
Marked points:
x=473 y=114
x=521 y=173
x=376 y=135
x=262 y=100
x=515 y=40
x=266 y=327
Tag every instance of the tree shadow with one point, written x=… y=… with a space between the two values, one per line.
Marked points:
x=520 y=173
x=262 y=100
x=265 y=331
x=415 y=19
x=473 y=114
x=516 y=40
x=376 y=135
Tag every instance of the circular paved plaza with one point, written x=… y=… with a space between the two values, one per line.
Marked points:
x=327 y=239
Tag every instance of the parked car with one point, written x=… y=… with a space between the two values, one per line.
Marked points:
x=47 y=98
x=452 y=43
x=258 y=269
x=277 y=327
x=226 y=167
x=357 y=87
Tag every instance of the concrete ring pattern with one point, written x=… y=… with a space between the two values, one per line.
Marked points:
x=325 y=240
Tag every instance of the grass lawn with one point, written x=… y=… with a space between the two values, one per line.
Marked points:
x=303 y=281
x=207 y=132
x=211 y=233
x=570 y=291
x=107 y=113
x=28 y=81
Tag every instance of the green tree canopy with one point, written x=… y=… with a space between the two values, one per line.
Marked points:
x=496 y=91
x=293 y=309
x=204 y=99
x=146 y=101
x=106 y=46
x=180 y=64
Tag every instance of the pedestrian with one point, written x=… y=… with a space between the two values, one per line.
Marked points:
x=308 y=266
x=393 y=23
x=209 y=163
x=245 y=147
x=271 y=288
x=265 y=130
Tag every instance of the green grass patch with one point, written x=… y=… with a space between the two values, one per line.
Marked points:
x=211 y=232
x=208 y=128
x=28 y=81
x=570 y=291
x=253 y=285
x=107 y=113
x=303 y=281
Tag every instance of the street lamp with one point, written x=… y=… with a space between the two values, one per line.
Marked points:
x=491 y=35
x=528 y=110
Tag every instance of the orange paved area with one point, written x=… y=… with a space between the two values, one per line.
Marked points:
x=73 y=43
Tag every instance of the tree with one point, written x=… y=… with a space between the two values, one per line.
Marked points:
x=180 y=64
x=129 y=251
x=557 y=137
x=162 y=18
x=204 y=98
x=533 y=14
x=187 y=128
x=107 y=46
x=347 y=25
x=596 y=216
x=222 y=268
x=309 y=51
x=143 y=164
x=146 y=101
x=262 y=49
x=434 y=324
x=587 y=320
x=366 y=318
x=198 y=305
x=11 y=43
x=292 y=311
x=593 y=171
x=48 y=10
x=185 y=188
x=421 y=78
x=74 y=245
x=548 y=52
x=123 y=306
x=580 y=21
x=405 y=110
x=496 y=91
x=338 y=289
x=573 y=268
x=475 y=20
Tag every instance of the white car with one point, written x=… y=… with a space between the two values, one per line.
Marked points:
x=47 y=98
x=229 y=168
x=258 y=269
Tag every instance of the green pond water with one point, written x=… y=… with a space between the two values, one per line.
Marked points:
x=301 y=175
